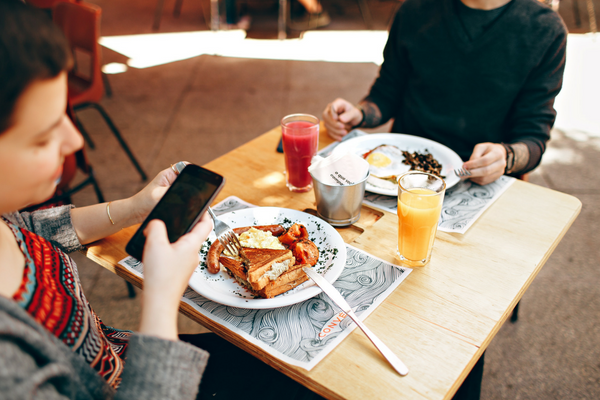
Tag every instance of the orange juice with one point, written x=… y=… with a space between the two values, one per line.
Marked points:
x=419 y=210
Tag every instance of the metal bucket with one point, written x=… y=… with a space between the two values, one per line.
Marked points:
x=339 y=205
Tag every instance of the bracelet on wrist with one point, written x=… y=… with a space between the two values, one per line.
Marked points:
x=510 y=158
x=362 y=121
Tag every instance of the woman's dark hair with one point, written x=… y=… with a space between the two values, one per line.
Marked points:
x=32 y=47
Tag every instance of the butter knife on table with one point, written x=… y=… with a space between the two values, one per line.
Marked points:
x=337 y=298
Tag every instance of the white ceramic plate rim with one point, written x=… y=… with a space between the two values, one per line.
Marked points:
x=223 y=289
x=446 y=156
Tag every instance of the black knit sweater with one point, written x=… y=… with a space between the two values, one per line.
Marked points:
x=437 y=82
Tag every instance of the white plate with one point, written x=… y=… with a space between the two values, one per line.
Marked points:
x=444 y=155
x=222 y=288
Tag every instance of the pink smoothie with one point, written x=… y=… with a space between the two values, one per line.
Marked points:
x=300 y=140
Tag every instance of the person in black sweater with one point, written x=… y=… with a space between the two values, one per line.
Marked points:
x=479 y=76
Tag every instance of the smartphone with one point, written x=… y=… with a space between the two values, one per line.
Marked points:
x=182 y=205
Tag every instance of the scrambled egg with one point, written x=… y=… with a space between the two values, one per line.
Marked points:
x=257 y=239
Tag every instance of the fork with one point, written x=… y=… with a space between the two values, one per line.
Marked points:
x=227 y=237
x=462 y=172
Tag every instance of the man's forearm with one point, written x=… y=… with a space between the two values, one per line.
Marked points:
x=372 y=114
x=520 y=158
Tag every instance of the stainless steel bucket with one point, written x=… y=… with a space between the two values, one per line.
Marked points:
x=339 y=205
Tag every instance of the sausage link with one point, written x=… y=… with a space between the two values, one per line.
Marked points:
x=212 y=258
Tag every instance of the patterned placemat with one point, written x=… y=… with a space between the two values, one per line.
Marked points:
x=463 y=203
x=304 y=333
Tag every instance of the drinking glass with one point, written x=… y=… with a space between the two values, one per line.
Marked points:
x=300 y=133
x=420 y=198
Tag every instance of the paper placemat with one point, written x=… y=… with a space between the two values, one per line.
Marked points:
x=463 y=203
x=304 y=333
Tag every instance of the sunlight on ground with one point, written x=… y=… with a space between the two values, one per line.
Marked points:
x=155 y=49
x=577 y=104
x=554 y=155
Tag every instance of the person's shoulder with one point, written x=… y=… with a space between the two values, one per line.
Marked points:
x=420 y=6
x=415 y=13
x=540 y=17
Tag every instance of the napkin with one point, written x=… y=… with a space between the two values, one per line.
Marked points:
x=340 y=169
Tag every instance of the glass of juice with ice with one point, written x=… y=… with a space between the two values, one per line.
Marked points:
x=300 y=134
x=420 y=198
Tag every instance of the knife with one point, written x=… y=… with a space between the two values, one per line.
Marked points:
x=337 y=298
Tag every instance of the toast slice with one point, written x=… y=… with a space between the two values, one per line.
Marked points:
x=285 y=282
x=235 y=266
x=267 y=265
x=256 y=274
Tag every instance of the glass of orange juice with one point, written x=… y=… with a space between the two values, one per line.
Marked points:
x=420 y=198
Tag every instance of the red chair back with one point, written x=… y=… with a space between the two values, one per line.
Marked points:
x=44 y=3
x=80 y=23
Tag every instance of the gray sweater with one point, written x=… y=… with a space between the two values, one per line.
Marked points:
x=36 y=365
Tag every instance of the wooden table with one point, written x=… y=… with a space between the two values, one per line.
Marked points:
x=441 y=319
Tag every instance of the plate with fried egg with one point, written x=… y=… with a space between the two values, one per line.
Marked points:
x=224 y=289
x=387 y=154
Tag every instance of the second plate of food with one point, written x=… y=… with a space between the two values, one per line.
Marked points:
x=224 y=289
x=386 y=158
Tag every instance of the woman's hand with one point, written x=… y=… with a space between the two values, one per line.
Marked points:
x=487 y=163
x=92 y=223
x=340 y=117
x=144 y=201
x=167 y=270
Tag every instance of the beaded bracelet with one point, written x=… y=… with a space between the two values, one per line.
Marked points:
x=510 y=158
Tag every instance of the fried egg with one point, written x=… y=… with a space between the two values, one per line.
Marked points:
x=385 y=161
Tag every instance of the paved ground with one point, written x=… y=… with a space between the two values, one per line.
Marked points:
x=198 y=109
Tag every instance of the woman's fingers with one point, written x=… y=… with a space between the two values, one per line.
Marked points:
x=197 y=235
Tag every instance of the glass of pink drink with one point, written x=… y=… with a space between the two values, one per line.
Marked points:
x=300 y=134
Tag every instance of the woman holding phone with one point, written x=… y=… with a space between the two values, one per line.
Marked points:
x=52 y=344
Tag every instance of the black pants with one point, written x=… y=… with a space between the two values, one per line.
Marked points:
x=471 y=387
x=232 y=373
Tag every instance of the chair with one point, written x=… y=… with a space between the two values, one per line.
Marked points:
x=284 y=16
x=46 y=4
x=80 y=23
x=177 y=12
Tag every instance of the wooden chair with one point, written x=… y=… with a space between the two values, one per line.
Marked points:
x=46 y=4
x=80 y=23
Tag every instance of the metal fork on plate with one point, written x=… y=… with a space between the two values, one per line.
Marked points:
x=462 y=172
x=227 y=237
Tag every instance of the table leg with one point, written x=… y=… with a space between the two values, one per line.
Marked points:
x=214 y=15
x=158 y=14
x=366 y=13
x=282 y=34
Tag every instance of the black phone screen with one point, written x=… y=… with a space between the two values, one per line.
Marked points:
x=181 y=206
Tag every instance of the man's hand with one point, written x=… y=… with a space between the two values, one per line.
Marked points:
x=340 y=117
x=487 y=163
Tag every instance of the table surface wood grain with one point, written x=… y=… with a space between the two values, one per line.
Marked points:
x=440 y=319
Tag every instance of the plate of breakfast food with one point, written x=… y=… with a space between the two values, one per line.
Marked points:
x=277 y=243
x=391 y=154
